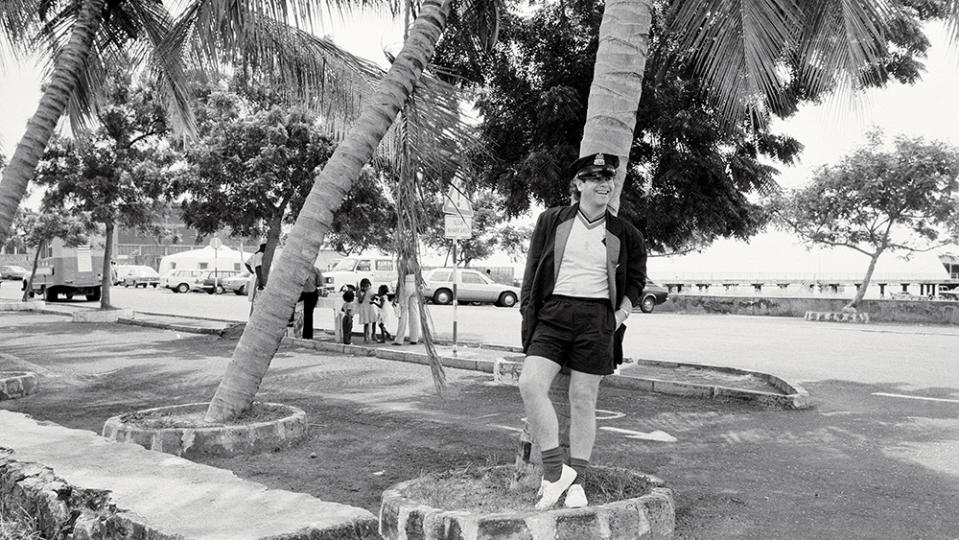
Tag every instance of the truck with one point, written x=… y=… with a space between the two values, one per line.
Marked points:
x=68 y=271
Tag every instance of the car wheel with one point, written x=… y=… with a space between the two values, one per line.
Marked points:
x=507 y=299
x=443 y=297
x=154 y=286
x=50 y=295
x=94 y=296
x=648 y=304
x=219 y=289
x=182 y=288
x=241 y=291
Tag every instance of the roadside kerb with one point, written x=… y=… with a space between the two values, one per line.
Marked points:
x=506 y=370
x=650 y=516
x=152 y=496
x=225 y=440
x=16 y=384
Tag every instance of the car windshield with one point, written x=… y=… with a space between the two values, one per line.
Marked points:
x=345 y=265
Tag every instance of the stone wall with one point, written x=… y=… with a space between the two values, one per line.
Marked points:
x=899 y=311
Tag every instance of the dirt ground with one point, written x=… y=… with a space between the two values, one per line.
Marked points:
x=738 y=470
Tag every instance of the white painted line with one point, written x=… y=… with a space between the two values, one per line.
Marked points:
x=508 y=428
x=657 y=435
x=602 y=414
x=883 y=394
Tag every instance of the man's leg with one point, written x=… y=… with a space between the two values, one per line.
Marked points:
x=583 y=393
x=534 y=383
x=309 y=304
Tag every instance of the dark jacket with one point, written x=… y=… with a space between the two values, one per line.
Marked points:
x=625 y=264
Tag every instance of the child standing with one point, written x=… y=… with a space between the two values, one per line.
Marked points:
x=385 y=315
x=366 y=309
x=348 y=309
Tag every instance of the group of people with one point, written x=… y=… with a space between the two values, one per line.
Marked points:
x=585 y=270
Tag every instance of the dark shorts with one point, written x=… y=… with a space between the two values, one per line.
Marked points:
x=576 y=333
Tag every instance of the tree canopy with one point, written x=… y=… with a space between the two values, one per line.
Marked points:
x=693 y=176
x=879 y=199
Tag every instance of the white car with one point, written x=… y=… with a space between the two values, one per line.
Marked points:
x=136 y=276
x=182 y=281
x=473 y=286
x=349 y=271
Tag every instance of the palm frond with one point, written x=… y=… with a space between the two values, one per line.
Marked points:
x=952 y=21
x=18 y=20
x=738 y=48
x=840 y=39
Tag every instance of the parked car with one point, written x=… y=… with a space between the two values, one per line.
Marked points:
x=237 y=283
x=213 y=281
x=137 y=276
x=349 y=271
x=12 y=271
x=181 y=281
x=653 y=295
x=473 y=286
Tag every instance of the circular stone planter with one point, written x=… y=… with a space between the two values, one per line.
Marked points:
x=16 y=384
x=648 y=516
x=196 y=437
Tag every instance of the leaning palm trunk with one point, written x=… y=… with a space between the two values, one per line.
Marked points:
x=264 y=332
x=617 y=84
x=53 y=102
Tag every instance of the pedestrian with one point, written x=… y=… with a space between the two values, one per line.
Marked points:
x=347 y=310
x=256 y=283
x=408 y=302
x=366 y=309
x=309 y=296
x=585 y=271
x=385 y=316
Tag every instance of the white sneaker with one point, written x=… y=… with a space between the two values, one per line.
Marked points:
x=575 y=497
x=552 y=491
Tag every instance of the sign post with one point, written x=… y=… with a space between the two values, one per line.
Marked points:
x=458 y=225
x=216 y=244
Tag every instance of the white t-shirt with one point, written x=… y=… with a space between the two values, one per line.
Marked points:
x=582 y=272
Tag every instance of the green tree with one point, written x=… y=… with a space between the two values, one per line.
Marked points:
x=263 y=334
x=118 y=173
x=879 y=199
x=82 y=39
x=692 y=173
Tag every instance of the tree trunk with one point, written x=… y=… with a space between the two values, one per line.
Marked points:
x=617 y=84
x=264 y=332
x=273 y=231
x=854 y=303
x=33 y=272
x=106 y=281
x=56 y=93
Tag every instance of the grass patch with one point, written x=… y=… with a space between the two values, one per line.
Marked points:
x=487 y=490
x=18 y=525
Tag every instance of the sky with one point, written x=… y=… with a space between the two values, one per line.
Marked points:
x=828 y=131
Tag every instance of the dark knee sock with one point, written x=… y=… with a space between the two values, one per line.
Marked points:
x=552 y=464
x=580 y=466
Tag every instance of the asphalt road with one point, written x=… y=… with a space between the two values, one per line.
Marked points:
x=920 y=360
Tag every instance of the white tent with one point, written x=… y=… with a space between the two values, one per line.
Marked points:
x=205 y=258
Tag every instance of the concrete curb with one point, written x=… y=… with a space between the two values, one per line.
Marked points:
x=135 y=494
x=166 y=326
x=16 y=384
x=506 y=370
x=100 y=316
x=650 y=516
x=224 y=440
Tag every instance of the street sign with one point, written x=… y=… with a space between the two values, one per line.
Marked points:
x=216 y=243
x=458 y=227
x=456 y=203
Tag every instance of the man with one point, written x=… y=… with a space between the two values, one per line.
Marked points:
x=585 y=270
x=309 y=296
x=256 y=283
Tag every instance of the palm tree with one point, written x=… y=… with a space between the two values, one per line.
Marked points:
x=267 y=324
x=81 y=38
x=741 y=49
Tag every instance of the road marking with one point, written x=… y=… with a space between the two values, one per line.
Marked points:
x=602 y=414
x=883 y=394
x=657 y=435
